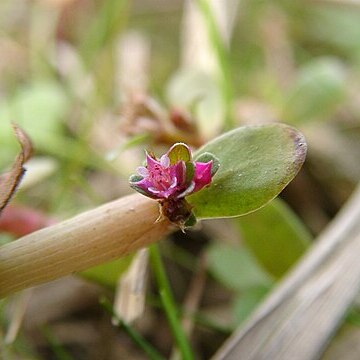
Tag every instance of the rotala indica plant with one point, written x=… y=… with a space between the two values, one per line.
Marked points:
x=232 y=175
x=171 y=178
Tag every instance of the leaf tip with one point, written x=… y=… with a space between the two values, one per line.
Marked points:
x=300 y=147
x=24 y=141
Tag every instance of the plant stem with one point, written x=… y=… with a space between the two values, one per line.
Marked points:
x=94 y=237
x=222 y=58
x=132 y=333
x=59 y=351
x=169 y=305
x=106 y=25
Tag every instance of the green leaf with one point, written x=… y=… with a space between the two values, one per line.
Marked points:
x=190 y=170
x=318 y=90
x=275 y=236
x=135 y=140
x=39 y=109
x=191 y=221
x=236 y=268
x=135 y=178
x=107 y=274
x=195 y=90
x=337 y=27
x=256 y=163
x=105 y=26
x=142 y=191
x=178 y=152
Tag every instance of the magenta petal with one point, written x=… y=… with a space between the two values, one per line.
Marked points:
x=173 y=188
x=143 y=186
x=167 y=193
x=202 y=176
x=151 y=162
x=178 y=171
x=142 y=171
x=171 y=177
x=165 y=161
x=163 y=194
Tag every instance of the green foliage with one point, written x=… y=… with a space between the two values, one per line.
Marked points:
x=275 y=235
x=222 y=58
x=179 y=152
x=322 y=49
x=39 y=108
x=336 y=26
x=318 y=90
x=58 y=350
x=105 y=26
x=108 y=274
x=169 y=305
x=256 y=163
x=236 y=268
x=133 y=334
x=190 y=89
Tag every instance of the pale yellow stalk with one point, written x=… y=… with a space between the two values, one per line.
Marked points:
x=91 y=238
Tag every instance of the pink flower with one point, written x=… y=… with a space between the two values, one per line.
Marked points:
x=173 y=176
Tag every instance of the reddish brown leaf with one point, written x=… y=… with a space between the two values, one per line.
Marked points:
x=10 y=180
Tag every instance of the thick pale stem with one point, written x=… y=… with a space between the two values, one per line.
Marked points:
x=91 y=238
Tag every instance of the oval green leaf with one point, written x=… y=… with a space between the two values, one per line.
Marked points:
x=179 y=152
x=256 y=163
x=275 y=235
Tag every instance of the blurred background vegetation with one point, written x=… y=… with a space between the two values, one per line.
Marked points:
x=95 y=82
